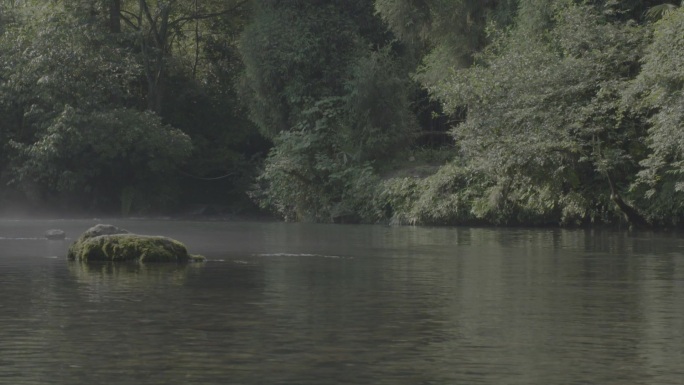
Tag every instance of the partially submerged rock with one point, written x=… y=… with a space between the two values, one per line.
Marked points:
x=112 y=244
x=55 y=235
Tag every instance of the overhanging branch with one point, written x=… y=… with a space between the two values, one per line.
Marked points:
x=201 y=16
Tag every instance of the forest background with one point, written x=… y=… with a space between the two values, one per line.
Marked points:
x=431 y=112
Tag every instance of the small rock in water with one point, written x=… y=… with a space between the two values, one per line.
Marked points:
x=55 y=235
x=101 y=229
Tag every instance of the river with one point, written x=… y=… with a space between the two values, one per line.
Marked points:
x=313 y=304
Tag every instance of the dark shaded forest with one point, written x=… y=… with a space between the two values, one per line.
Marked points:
x=426 y=112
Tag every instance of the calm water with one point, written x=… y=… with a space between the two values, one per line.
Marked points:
x=326 y=304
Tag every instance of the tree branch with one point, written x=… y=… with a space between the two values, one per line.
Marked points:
x=197 y=16
x=630 y=213
x=128 y=21
x=150 y=19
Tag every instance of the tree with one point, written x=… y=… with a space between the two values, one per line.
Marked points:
x=323 y=82
x=444 y=34
x=160 y=26
x=111 y=159
x=545 y=138
x=295 y=54
x=72 y=129
x=657 y=93
x=70 y=65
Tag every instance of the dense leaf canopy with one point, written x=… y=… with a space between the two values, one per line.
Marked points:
x=405 y=111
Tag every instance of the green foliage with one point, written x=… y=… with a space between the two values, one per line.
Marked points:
x=658 y=93
x=60 y=74
x=309 y=177
x=446 y=198
x=546 y=138
x=105 y=156
x=295 y=55
x=462 y=195
x=200 y=97
x=563 y=111
x=377 y=114
x=658 y=11
x=73 y=91
x=54 y=61
x=446 y=34
x=332 y=104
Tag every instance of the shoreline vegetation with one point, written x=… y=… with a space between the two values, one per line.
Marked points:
x=561 y=113
x=266 y=217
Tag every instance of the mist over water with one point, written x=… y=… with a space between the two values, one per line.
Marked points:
x=327 y=304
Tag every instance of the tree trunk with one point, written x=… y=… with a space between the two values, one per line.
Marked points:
x=632 y=216
x=115 y=16
x=154 y=48
x=155 y=94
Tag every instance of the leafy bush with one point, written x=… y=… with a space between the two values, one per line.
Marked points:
x=309 y=177
x=105 y=157
x=545 y=122
x=658 y=93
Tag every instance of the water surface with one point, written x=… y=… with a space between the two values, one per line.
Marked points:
x=329 y=304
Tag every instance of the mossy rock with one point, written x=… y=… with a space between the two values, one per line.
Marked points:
x=108 y=243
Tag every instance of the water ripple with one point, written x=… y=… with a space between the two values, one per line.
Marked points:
x=402 y=306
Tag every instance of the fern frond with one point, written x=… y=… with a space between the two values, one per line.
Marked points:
x=656 y=12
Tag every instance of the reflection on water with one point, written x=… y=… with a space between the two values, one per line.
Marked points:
x=316 y=304
x=129 y=275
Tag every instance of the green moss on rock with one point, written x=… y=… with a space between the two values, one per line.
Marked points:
x=111 y=244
